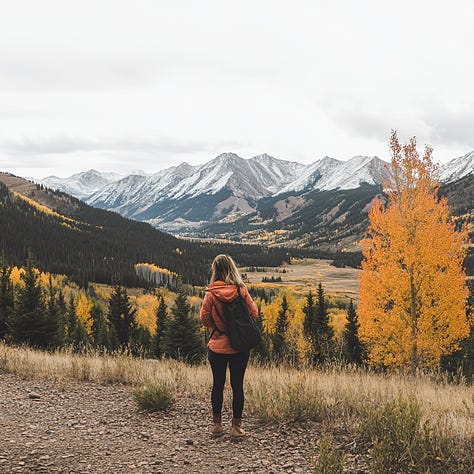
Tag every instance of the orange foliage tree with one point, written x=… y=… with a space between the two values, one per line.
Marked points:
x=412 y=286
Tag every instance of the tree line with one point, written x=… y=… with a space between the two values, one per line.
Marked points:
x=94 y=245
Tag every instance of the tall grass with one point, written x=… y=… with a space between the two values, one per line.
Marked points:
x=355 y=399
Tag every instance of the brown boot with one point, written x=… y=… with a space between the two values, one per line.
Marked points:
x=236 y=431
x=216 y=428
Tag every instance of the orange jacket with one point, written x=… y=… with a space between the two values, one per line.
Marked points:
x=212 y=307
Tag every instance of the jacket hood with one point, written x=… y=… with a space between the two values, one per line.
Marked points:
x=222 y=291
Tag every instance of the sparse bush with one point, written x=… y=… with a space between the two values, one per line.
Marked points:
x=330 y=459
x=154 y=396
x=402 y=443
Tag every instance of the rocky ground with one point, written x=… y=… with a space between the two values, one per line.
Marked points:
x=79 y=427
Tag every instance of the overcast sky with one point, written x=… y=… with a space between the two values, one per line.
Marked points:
x=123 y=85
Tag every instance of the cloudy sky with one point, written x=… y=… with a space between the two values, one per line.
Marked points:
x=123 y=85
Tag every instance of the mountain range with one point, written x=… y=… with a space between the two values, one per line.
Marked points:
x=204 y=199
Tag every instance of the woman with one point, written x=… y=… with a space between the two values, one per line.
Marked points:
x=225 y=279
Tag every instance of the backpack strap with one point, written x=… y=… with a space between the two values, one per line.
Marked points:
x=220 y=317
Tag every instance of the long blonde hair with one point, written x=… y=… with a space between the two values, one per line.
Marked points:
x=223 y=268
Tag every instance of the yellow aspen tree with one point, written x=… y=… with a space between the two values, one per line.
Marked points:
x=83 y=311
x=413 y=291
x=146 y=306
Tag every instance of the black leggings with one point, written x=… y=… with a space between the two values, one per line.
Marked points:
x=237 y=365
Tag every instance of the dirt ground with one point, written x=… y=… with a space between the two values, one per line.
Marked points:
x=79 y=427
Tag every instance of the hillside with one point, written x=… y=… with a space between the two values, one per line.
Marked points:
x=67 y=236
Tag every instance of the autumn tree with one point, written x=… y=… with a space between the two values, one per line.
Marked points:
x=412 y=285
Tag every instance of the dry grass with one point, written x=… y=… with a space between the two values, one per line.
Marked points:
x=333 y=395
x=305 y=275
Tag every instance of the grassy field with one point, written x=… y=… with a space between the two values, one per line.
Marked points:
x=370 y=406
x=304 y=275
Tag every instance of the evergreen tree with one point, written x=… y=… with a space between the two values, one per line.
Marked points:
x=100 y=328
x=262 y=351
x=309 y=322
x=161 y=318
x=122 y=316
x=279 y=337
x=6 y=298
x=80 y=338
x=77 y=335
x=462 y=360
x=324 y=332
x=181 y=338
x=29 y=321
x=62 y=319
x=71 y=320
x=352 y=345
x=141 y=341
x=52 y=315
x=316 y=327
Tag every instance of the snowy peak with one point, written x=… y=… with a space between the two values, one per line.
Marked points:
x=457 y=168
x=354 y=172
x=329 y=173
x=311 y=174
x=81 y=185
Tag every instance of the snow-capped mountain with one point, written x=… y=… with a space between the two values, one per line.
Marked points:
x=228 y=187
x=457 y=168
x=225 y=185
x=80 y=185
x=329 y=173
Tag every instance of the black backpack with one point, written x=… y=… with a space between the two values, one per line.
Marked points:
x=241 y=328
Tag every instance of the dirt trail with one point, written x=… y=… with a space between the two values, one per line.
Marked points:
x=79 y=427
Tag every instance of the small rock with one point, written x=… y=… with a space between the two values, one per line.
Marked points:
x=34 y=395
x=189 y=442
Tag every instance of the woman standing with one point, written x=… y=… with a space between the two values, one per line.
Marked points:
x=225 y=279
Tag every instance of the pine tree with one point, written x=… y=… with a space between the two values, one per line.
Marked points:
x=71 y=320
x=6 y=298
x=141 y=341
x=352 y=345
x=279 y=337
x=29 y=321
x=316 y=327
x=182 y=338
x=52 y=315
x=261 y=353
x=161 y=318
x=77 y=335
x=309 y=322
x=100 y=328
x=61 y=336
x=122 y=316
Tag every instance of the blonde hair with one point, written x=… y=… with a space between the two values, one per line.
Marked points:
x=223 y=268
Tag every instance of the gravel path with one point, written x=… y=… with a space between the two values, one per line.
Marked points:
x=78 y=427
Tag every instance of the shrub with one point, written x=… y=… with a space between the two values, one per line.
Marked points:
x=154 y=396
x=330 y=459
x=403 y=443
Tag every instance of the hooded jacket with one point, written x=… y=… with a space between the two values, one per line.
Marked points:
x=211 y=309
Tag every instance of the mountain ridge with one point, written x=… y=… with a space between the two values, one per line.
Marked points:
x=184 y=198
